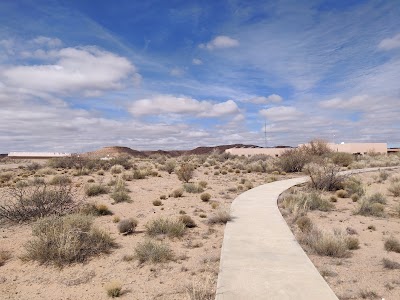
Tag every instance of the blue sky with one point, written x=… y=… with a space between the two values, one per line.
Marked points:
x=78 y=75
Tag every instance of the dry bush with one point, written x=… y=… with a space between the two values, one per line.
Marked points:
x=171 y=228
x=200 y=290
x=157 y=202
x=304 y=202
x=60 y=180
x=6 y=176
x=205 y=197
x=169 y=166
x=113 y=289
x=353 y=186
x=317 y=147
x=372 y=206
x=188 y=221
x=95 y=209
x=377 y=198
x=325 y=176
x=304 y=223
x=65 y=240
x=95 y=189
x=352 y=243
x=185 y=172
x=192 y=188
x=392 y=244
x=116 y=169
x=293 y=160
x=341 y=193
x=394 y=189
x=177 y=193
x=221 y=216
x=4 y=256
x=33 y=166
x=154 y=252
x=341 y=158
x=139 y=174
x=120 y=192
x=390 y=264
x=127 y=226
x=30 y=203
x=326 y=244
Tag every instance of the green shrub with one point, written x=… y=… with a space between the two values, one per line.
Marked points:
x=154 y=252
x=392 y=244
x=95 y=189
x=205 y=197
x=66 y=240
x=165 y=226
x=169 y=166
x=127 y=226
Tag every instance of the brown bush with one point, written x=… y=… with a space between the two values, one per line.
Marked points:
x=185 y=172
x=325 y=176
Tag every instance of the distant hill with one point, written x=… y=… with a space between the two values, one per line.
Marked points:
x=114 y=151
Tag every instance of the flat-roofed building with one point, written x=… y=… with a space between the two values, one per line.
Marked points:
x=37 y=154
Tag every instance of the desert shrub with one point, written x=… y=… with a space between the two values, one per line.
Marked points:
x=367 y=208
x=95 y=209
x=333 y=198
x=116 y=219
x=95 y=189
x=177 y=193
x=165 y=226
x=222 y=216
x=326 y=244
x=304 y=223
x=293 y=160
x=188 y=221
x=154 y=252
x=4 y=256
x=355 y=197
x=377 y=198
x=67 y=162
x=352 y=243
x=205 y=197
x=200 y=290
x=113 y=289
x=390 y=264
x=30 y=203
x=163 y=197
x=127 y=176
x=6 y=176
x=185 y=172
x=120 y=192
x=383 y=175
x=139 y=174
x=61 y=180
x=341 y=158
x=46 y=171
x=157 y=203
x=66 y=240
x=203 y=184
x=317 y=147
x=392 y=244
x=303 y=202
x=354 y=186
x=33 y=166
x=325 y=176
x=394 y=189
x=127 y=226
x=169 y=166
x=38 y=181
x=193 y=188
x=116 y=169
x=342 y=193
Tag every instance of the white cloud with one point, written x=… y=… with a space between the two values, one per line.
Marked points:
x=47 y=41
x=359 y=102
x=274 y=98
x=390 y=43
x=74 y=70
x=177 y=72
x=280 y=113
x=219 y=42
x=168 y=104
x=197 y=61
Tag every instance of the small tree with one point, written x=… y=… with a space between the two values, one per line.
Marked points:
x=185 y=172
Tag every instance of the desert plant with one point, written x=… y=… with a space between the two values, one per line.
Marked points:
x=304 y=223
x=341 y=158
x=4 y=256
x=154 y=252
x=169 y=166
x=205 y=197
x=352 y=243
x=192 y=188
x=60 y=180
x=325 y=176
x=354 y=186
x=366 y=208
x=383 y=175
x=127 y=226
x=177 y=193
x=95 y=209
x=200 y=290
x=341 y=193
x=157 y=203
x=139 y=174
x=394 y=189
x=326 y=244
x=293 y=160
x=113 y=289
x=95 y=189
x=165 y=226
x=222 y=216
x=188 y=221
x=392 y=244
x=116 y=169
x=185 y=172
x=163 y=197
x=377 y=198
x=30 y=203
x=203 y=184
x=65 y=240
x=390 y=264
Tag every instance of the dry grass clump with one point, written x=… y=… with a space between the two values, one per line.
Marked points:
x=169 y=166
x=60 y=180
x=372 y=206
x=221 y=216
x=171 y=228
x=341 y=194
x=305 y=202
x=6 y=176
x=205 y=197
x=113 y=289
x=188 y=221
x=95 y=209
x=185 y=172
x=200 y=290
x=127 y=226
x=29 y=203
x=139 y=174
x=341 y=158
x=354 y=186
x=177 y=193
x=95 y=190
x=203 y=184
x=193 y=188
x=116 y=169
x=154 y=252
x=65 y=240
x=4 y=256
x=394 y=189
x=328 y=244
x=120 y=192
x=392 y=244
x=304 y=223
x=390 y=264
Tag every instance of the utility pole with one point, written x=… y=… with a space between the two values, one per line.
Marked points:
x=265 y=133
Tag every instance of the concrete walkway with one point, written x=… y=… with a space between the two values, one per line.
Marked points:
x=260 y=257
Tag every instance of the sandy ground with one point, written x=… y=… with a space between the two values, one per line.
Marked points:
x=362 y=275
x=196 y=254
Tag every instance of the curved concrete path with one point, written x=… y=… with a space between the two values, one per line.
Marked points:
x=260 y=257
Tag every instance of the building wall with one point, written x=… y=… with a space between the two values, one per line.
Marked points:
x=37 y=154
x=255 y=151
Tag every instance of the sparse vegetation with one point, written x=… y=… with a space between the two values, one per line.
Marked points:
x=95 y=209
x=390 y=264
x=165 y=226
x=304 y=223
x=205 y=197
x=221 y=216
x=185 y=172
x=113 y=289
x=177 y=193
x=394 y=189
x=127 y=226
x=154 y=252
x=325 y=176
x=95 y=190
x=188 y=221
x=192 y=188
x=4 y=257
x=392 y=244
